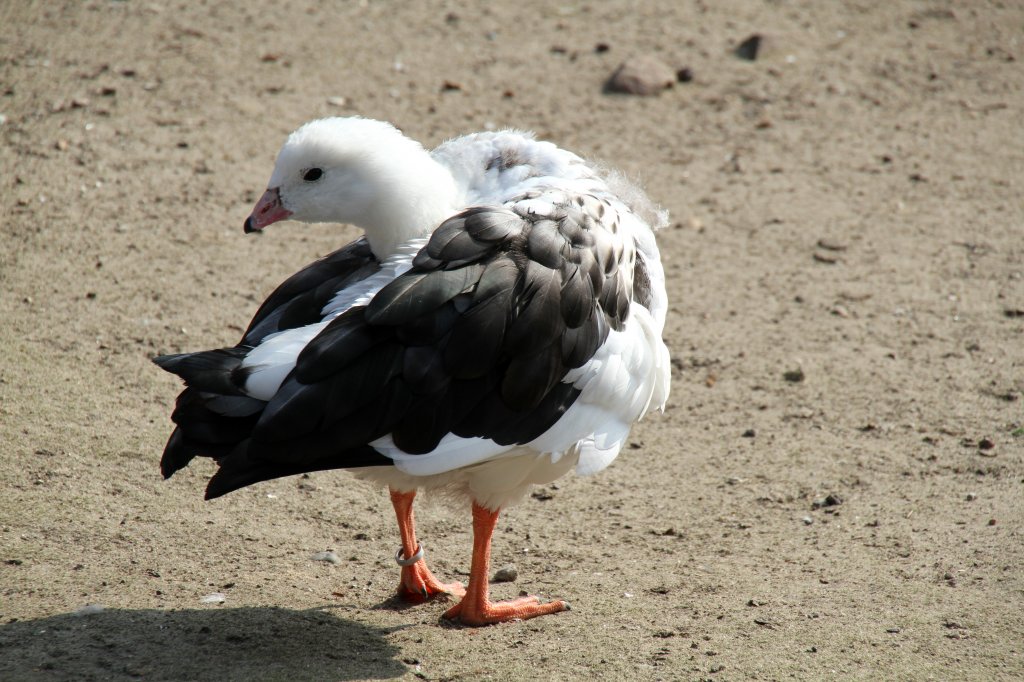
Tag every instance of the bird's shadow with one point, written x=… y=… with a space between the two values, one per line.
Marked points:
x=259 y=643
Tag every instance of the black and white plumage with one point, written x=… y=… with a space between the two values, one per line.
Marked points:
x=498 y=325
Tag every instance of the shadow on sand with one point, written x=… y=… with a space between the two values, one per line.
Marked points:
x=209 y=644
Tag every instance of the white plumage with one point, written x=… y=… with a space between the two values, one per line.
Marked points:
x=500 y=325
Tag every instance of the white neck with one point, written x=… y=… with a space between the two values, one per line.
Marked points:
x=411 y=201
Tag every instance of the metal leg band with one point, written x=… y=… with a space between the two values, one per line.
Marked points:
x=411 y=560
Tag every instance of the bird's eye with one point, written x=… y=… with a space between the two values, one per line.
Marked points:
x=313 y=174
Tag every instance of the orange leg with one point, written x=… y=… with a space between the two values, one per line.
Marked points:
x=475 y=608
x=418 y=583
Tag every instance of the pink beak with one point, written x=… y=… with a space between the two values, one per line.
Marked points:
x=268 y=210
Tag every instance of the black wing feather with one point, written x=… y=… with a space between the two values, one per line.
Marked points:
x=301 y=298
x=474 y=340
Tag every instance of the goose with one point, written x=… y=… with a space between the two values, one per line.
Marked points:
x=498 y=325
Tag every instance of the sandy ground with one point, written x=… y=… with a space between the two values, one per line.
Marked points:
x=846 y=209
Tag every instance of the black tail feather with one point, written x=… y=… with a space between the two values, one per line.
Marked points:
x=215 y=371
x=177 y=454
x=204 y=430
x=238 y=470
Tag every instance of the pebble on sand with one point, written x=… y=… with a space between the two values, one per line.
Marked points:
x=644 y=75
x=830 y=500
x=794 y=375
x=89 y=609
x=506 y=574
x=760 y=46
x=328 y=556
x=749 y=47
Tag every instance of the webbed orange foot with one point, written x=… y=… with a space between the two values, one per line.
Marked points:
x=475 y=612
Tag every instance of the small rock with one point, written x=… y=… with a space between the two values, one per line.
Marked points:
x=749 y=47
x=749 y=433
x=89 y=609
x=602 y=47
x=765 y=47
x=215 y=598
x=892 y=630
x=684 y=75
x=328 y=556
x=644 y=75
x=506 y=574
x=986 y=444
x=794 y=375
x=830 y=500
x=337 y=101
x=831 y=245
x=807 y=520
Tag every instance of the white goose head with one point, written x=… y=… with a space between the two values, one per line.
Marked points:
x=362 y=172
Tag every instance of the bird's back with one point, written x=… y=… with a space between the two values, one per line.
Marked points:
x=495 y=167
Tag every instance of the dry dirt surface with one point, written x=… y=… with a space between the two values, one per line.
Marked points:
x=833 y=492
